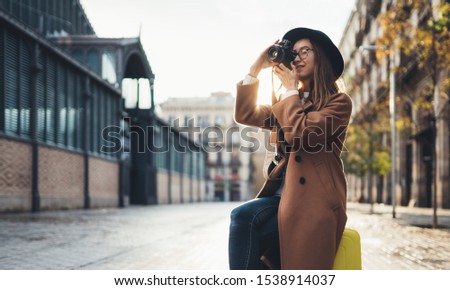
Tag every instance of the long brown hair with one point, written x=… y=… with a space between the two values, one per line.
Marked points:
x=324 y=83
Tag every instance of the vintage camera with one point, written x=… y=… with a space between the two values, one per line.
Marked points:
x=282 y=53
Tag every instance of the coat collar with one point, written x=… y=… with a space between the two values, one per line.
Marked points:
x=307 y=106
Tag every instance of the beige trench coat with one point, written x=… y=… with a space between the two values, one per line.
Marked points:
x=312 y=210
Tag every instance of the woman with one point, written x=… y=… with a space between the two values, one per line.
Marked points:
x=298 y=217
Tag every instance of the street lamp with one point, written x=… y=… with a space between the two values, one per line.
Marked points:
x=392 y=110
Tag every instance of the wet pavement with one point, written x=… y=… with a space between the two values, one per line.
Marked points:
x=194 y=237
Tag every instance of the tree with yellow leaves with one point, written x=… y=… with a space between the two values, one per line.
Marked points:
x=421 y=31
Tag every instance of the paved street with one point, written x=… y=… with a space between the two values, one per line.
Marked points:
x=194 y=236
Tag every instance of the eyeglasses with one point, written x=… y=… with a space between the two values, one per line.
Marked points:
x=303 y=53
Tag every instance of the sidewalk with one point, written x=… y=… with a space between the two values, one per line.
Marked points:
x=195 y=237
x=406 y=242
x=414 y=216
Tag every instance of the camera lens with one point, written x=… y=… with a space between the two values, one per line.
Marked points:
x=276 y=54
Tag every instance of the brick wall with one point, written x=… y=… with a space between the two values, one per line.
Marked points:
x=103 y=182
x=198 y=188
x=199 y=192
x=186 y=189
x=61 y=179
x=202 y=185
x=163 y=186
x=195 y=190
x=175 y=187
x=15 y=176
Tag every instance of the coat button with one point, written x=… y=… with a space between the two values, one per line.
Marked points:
x=302 y=180
x=298 y=158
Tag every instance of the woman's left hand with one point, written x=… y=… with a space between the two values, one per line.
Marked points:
x=287 y=77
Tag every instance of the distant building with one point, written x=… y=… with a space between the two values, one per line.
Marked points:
x=209 y=122
x=66 y=139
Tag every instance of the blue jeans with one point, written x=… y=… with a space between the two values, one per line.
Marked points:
x=253 y=229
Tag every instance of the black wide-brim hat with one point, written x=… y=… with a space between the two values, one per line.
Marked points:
x=320 y=38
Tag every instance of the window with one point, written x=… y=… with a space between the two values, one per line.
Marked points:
x=79 y=97
x=71 y=108
x=78 y=55
x=109 y=66
x=50 y=102
x=2 y=78
x=102 y=114
x=25 y=89
x=18 y=73
x=41 y=98
x=11 y=84
x=93 y=60
x=129 y=92
x=93 y=122
x=102 y=117
x=157 y=142
x=187 y=162
x=59 y=89
x=16 y=9
x=194 y=173
x=219 y=120
x=61 y=105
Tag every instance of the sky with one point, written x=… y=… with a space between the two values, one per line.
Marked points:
x=196 y=47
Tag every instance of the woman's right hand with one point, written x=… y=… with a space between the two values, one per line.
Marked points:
x=262 y=62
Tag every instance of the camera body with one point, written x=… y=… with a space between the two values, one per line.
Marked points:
x=282 y=52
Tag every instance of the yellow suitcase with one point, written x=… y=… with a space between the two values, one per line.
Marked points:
x=348 y=256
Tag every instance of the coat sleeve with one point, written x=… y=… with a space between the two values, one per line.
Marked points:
x=313 y=129
x=246 y=110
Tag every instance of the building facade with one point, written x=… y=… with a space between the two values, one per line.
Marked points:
x=67 y=140
x=209 y=122
x=422 y=163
